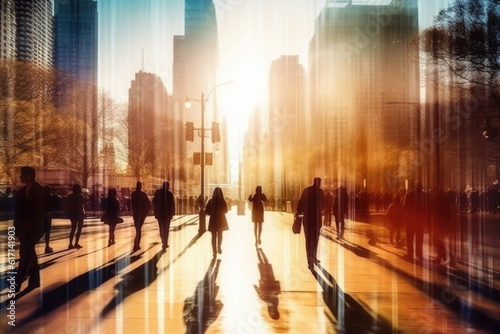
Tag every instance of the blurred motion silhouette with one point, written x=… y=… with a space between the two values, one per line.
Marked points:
x=164 y=209
x=217 y=209
x=311 y=206
x=140 y=210
x=257 y=212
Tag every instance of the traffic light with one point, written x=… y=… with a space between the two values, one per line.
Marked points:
x=209 y=159
x=215 y=132
x=189 y=131
x=196 y=158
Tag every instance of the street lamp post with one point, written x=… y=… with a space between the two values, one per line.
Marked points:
x=202 y=226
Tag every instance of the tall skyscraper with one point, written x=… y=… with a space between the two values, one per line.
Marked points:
x=76 y=38
x=34 y=32
x=286 y=124
x=154 y=147
x=7 y=29
x=195 y=72
x=362 y=88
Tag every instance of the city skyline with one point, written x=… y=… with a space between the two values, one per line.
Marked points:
x=135 y=37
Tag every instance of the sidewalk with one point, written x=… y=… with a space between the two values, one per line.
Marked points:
x=431 y=295
x=357 y=287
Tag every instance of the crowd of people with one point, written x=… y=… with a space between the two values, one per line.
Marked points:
x=418 y=210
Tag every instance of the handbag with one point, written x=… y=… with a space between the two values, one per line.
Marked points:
x=297 y=224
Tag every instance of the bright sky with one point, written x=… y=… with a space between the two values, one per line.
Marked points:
x=252 y=33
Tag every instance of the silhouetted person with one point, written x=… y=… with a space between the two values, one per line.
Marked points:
x=328 y=208
x=51 y=207
x=29 y=221
x=140 y=210
x=311 y=206
x=257 y=212
x=340 y=205
x=416 y=207
x=164 y=209
x=395 y=216
x=75 y=208
x=217 y=209
x=441 y=218
x=111 y=207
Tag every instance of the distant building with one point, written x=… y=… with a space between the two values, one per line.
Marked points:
x=362 y=89
x=76 y=38
x=154 y=148
x=7 y=29
x=286 y=149
x=195 y=67
x=34 y=32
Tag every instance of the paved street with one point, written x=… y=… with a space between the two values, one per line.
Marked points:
x=357 y=288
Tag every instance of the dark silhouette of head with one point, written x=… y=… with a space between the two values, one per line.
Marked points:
x=166 y=185
x=258 y=190
x=112 y=193
x=77 y=189
x=317 y=182
x=418 y=186
x=138 y=186
x=28 y=174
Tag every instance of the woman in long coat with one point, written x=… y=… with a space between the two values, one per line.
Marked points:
x=257 y=212
x=217 y=209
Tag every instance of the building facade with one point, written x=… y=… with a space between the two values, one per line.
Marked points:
x=35 y=32
x=362 y=90
x=76 y=24
x=286 y=149
x=7 y=29
x=195 y=73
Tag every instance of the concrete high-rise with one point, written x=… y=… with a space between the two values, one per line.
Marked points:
x=76 y=38
x=363 y=91
x=34 y=32
x=195 y=72
x=287 y=128
x=154 y=148
x=7 y=29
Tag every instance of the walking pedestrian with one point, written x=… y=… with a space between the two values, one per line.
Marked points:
x=111 y=207
x=328 y=208
x=340 y=205
x=140 y=210
x=257 y=212
x=395 y=216
x=75 y=208
x=217 y=209
x=164 y=210
x=311 y=206
x=29 y=223
x=416 y=208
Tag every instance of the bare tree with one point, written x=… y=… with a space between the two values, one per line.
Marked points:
x=29 y=122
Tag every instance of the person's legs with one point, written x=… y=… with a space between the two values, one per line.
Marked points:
x=79 y=231
x=259 y=231
x=48 y=226
x=342 y=226
x=138 y=231
x=419 y=234
x=219 y=241
x=409 y=239
x=72 y=232
x=255 y=232
x=111 y=234
x=33 y=270
x=166 y=231
x=24 y=262
x=214 y=243
x=337 y=223
x=161 y=226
